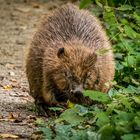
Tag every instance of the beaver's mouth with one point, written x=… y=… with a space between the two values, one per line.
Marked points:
x=76 y=97
x=61 y=96
x=76 y=94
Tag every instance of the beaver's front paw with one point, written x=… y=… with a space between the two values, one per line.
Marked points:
x=43 y=109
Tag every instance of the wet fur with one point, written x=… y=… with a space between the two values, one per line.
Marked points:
x=82 y=37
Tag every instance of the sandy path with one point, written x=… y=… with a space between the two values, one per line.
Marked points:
x=18 y=20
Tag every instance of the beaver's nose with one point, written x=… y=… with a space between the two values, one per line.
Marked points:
x=78 y=88
x=78 y=94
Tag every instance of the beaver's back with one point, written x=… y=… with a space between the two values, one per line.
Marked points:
x=68 y=23
x=63 y=25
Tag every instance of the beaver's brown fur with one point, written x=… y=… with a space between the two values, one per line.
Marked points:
x=66 y=56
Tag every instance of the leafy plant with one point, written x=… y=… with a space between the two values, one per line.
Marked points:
x=123 y=29
x=118 y=119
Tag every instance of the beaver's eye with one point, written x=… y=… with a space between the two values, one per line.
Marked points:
x=69 y=75
x=86 y=76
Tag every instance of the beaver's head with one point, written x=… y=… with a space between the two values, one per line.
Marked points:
x=71 y=69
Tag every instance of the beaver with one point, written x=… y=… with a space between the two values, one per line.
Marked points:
x=64 y=58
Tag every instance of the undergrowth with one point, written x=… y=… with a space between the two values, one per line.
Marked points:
x=116 y=118
x=118 y=115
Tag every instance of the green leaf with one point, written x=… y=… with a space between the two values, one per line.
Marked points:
x=47 y=132
x=137 y=123
x=39 y=122
x=118 y=66
x=112 y=92
x=82 y=110
x=130 y=89
x=85 y=3
x=128 y=137
x=109 y=17
x=106 y=132
x=99 y=3
x=79 y=135
x=124 y=102
x=131 y=60
x=123 y=127
x=123 y=116
x=136 y=99
x=119 y=55
x=71 y=116
x=102 y=119
x=97 y=96
x=125 y=8
x=55 y=108
x=63 y=132
x=130 y=32
x=136 y=17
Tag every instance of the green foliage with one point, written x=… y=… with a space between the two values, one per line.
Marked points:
x=117 y=120
x=71 y=116
x=123 y=29
x=39 y=122
x=102 y=3
x=84 y=3
x=55 y=108
x=97 y=96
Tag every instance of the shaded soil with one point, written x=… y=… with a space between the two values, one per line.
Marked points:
x=18 y=21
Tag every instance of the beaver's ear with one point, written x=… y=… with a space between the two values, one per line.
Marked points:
x=61 y=52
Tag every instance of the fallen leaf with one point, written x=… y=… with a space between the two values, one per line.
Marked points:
x=6 y=120
x=13 y=80
x=1 y=117
x=25 y=98
x=23 y=27
x=70 y=104
x=7 y=135
x=22 y=9
x=15 y=116
x=35 y=5
x=9 y=66
x=7 y=87
x=11 y=116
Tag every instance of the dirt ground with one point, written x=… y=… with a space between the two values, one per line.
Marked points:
x=18 y=21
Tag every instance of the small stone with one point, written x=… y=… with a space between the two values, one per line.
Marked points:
x=12 y=73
